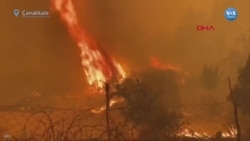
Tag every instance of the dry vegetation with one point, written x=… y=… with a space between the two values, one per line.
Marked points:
x=72 y=125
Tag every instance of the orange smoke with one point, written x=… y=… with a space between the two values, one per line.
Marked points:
x=98 y=66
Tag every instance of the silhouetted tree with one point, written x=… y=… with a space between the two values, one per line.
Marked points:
x=147 y=105
x=209 y=77
x=241 y=91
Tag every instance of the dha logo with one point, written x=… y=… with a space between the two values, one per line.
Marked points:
x=205 y=28
x=231 y=14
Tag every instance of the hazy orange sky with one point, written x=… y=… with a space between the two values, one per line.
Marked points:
x=38 y=54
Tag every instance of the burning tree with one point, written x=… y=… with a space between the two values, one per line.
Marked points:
x=147 y=99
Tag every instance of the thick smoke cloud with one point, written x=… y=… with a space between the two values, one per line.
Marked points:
x=167 y=29
x=39 y=55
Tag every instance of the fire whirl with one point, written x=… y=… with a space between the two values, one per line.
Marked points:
x=97 y=65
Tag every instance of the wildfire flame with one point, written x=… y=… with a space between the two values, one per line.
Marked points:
x=194 y=134
x=159 y=65
x=231 y=131
x=112 y=102
x=155 y=63
x=97 y=65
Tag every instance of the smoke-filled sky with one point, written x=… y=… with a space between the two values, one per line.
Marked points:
x=39 y=55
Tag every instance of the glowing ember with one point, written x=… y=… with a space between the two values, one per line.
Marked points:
x=97 y=65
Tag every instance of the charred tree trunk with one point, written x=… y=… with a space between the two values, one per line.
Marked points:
x=107 y=110
x=236 y=117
